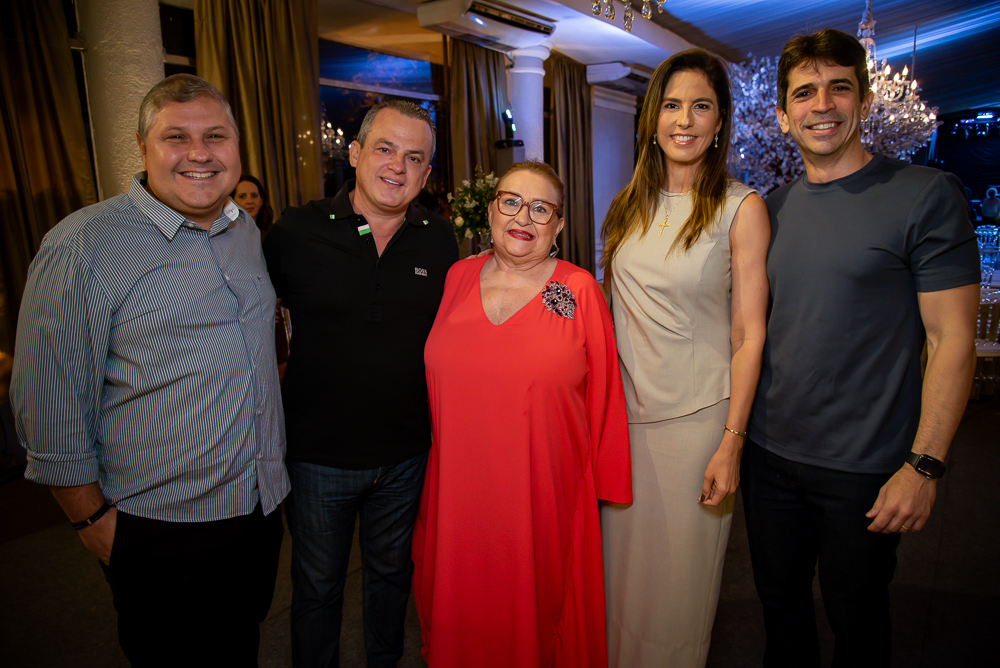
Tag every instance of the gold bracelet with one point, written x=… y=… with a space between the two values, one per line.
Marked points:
x=738 y=433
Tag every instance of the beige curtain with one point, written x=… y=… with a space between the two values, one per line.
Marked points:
x=477 y=97
x=570 y=144
x=45 y=167
x=264 y=57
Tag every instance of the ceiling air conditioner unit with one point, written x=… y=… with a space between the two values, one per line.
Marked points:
x=488 y=24
x=632 y=79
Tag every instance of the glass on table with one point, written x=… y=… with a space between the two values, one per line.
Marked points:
x=987 y=266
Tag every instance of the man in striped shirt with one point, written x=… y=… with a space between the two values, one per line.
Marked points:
x=145 y=389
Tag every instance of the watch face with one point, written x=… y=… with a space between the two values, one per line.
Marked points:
x=929 y=466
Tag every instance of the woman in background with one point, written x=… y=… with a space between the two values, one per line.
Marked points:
x=507 y=547
x=685 y=251
x=250 y=195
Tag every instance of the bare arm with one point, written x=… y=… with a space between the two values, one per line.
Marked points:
x=605 y=286
x=79 y=503
x=949 y=318
x=749 y=237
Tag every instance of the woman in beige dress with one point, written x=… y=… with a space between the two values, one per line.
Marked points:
x=684 y=258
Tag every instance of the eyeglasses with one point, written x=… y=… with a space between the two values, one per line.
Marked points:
x=539 y=211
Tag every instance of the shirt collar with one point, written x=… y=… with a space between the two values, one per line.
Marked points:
x=339 y=207
x=169 y=221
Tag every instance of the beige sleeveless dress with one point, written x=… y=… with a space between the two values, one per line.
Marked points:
x=663 y=553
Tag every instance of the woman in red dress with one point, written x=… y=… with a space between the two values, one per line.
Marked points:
x=507 y=546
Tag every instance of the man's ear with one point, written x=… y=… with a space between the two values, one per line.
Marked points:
x=353 y=152
x=866 y=105
x=782 y=119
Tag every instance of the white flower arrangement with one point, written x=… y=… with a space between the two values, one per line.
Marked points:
x=470 y=205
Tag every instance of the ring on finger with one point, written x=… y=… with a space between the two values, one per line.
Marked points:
x=903 y=528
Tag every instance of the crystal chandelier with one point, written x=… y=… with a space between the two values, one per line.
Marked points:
x=898 y=123
x=334 y=145
x=607 y=7
x=761 y=155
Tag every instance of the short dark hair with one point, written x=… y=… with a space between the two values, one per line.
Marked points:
x=826 y=46
x=404 y=107
x=179 y=88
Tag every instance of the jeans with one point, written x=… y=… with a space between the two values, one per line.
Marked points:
x=321 y=509
x=798 y=515
x=193 y=593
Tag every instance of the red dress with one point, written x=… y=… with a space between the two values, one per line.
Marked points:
x=528 y=434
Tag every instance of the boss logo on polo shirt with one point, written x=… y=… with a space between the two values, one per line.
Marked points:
x=419 y=272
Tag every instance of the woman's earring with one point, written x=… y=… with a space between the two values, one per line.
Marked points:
x=654 y=140
x=716 y=140
x=555 y=249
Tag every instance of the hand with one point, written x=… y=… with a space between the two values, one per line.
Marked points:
x=722 y=475
x=485 y=253
x=904 y=503
x=100 y=536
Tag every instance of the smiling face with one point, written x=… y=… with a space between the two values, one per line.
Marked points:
x=517 y=239
x=824 y=114
x=248 y=197
x=192 y=159
x=393 y=165
x=689 y=118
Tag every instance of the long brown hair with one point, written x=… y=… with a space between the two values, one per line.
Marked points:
x=633 y=207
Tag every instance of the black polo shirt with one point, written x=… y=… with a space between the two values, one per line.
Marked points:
x=354 y=391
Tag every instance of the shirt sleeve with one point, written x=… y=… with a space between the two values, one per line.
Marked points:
x=605 y=398
x=942 y=242
x=62 y=344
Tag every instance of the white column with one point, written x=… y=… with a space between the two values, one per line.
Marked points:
x=613 y=142
x=122 y=61
x=526 y=97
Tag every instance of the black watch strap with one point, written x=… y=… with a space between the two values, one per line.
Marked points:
x=926 y=465
x=82 y=524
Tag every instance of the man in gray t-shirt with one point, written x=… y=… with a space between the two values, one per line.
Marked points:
x=869 y=257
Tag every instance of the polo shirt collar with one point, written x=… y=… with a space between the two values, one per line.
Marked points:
x=166 y=219
x=339 y=207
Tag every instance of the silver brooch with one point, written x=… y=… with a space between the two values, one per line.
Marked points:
x=558 y=299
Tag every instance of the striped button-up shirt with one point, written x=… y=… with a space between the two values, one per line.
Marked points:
x=145 y=361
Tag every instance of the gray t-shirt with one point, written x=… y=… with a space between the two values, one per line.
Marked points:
x=840 y=383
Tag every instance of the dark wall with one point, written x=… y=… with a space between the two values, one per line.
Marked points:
x=963 y=150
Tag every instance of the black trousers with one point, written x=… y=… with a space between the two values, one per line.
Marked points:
x=193 y=593
x=800 y=516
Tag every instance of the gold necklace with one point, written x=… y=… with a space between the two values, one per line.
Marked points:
x=666 y=217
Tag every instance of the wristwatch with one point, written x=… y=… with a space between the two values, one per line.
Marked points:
x=926 y=465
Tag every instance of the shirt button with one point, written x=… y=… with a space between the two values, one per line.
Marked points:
x=227 y=276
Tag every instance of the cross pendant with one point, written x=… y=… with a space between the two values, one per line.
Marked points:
x=661 y=226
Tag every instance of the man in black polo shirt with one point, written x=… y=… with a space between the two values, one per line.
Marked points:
x=362 y=274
